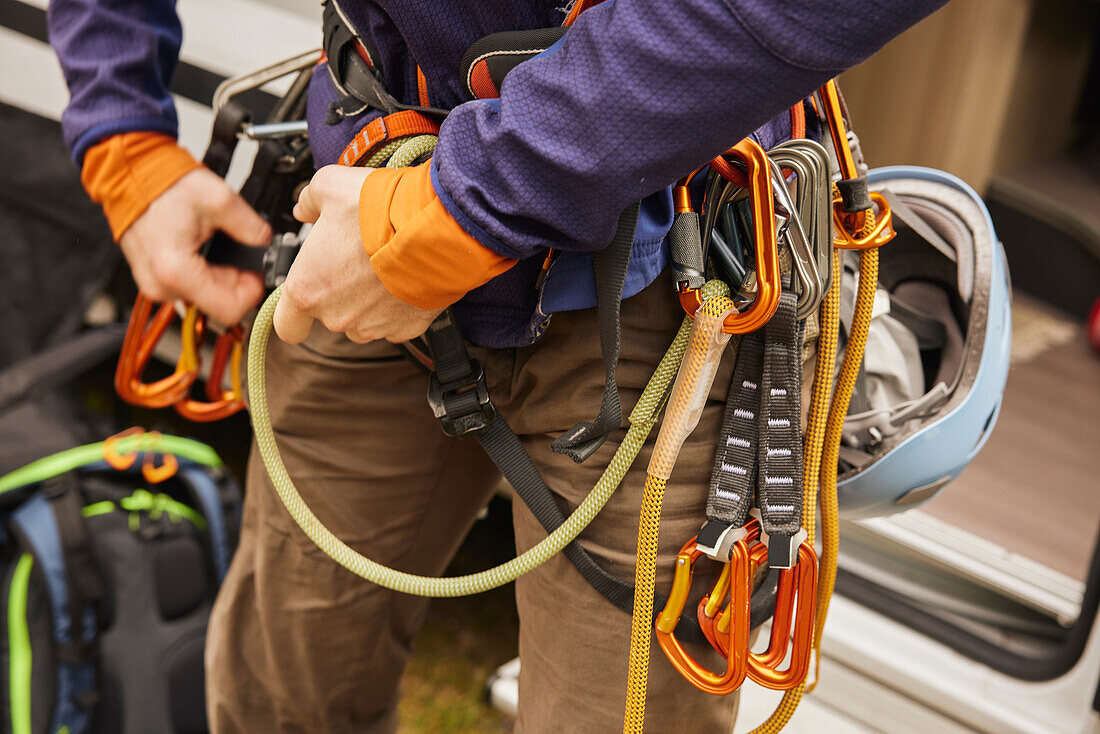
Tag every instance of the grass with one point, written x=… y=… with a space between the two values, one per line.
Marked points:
x=463 y=641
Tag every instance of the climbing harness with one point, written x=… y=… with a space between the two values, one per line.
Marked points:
x=758 y=258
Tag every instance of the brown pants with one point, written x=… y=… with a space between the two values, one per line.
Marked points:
x=298 y=644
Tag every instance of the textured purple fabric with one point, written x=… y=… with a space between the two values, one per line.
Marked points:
x=118 y=57
x=634 y=97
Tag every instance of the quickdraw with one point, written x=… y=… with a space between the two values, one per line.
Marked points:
x=736 y=615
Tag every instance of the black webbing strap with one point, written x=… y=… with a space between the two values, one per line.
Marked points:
x=733 y=479
x=82 y=579
x=359 y=81
x=761 y=442
x=609 y=265
x=460 y=399
x=779 y=451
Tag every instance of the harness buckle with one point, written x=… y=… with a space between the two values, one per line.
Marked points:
x=462 y=406
x=278 y=257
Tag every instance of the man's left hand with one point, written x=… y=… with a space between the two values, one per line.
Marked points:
x=332 y=280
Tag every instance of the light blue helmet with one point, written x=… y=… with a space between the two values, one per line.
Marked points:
x=944 y=278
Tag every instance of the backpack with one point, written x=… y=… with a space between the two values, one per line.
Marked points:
x=110 y=558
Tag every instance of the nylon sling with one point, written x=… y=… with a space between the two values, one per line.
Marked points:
x=609 y=266
x=760 y=443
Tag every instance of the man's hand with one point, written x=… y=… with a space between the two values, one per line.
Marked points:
x=162 y=247
x=332 y=280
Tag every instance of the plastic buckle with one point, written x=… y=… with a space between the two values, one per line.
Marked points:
x=783 y=549
x=278 y=258
x=443 y=399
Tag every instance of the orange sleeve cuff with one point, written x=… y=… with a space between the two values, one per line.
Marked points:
x=125 y=173
x=419 y=252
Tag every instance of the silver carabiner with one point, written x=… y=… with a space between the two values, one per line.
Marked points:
x=804 y=260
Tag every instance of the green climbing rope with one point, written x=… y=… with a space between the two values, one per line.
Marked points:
x=642 y=420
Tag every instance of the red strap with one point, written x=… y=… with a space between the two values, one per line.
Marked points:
x=382 y=130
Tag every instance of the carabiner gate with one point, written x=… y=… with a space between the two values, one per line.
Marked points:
x=141 y=339
x=795 y=607
x=665 y=627
x=220 y=403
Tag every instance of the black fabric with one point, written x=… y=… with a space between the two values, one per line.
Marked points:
x=609 y=265
x=109 y=714
x=41 y=373
x=224 y=250
x=57 y=255
x=179 y=576
x=186 y=676
x=82 y=575
x=733 y=478
x=779 y=450
x=133 y=658
x=504 y=51
x=223 y=137
x=145 y=579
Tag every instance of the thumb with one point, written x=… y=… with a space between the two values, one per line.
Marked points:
x=292 y=323
x=238 y=220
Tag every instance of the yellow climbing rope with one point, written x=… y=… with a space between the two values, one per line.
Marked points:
x=685 y=405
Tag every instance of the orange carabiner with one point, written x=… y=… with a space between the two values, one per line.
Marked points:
x=153 y=472
x=144 y=444
x=854 y=230
x=228 y=350
x=142 y=335
x=847 y=223
x=795 y=605
x=768 y=286
x=115 y=459
x=691 y=669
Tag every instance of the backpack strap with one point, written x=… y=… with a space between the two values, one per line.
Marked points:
x=214 y=508
x=36 y=522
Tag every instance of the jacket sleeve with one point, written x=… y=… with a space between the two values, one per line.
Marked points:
x=118 y=57
x=635 y=96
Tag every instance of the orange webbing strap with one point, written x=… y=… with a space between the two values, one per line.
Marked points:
x=383 y=130
x=798 y=120
x=579 y=6
x=422 y=87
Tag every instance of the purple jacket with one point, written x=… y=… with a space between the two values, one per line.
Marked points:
x=639 y=93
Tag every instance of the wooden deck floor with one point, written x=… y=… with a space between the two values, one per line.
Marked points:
x=1035 y=487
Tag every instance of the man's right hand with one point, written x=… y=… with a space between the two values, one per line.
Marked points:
x=162 y=247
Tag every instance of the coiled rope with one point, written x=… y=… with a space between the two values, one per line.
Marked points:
x=642 y=420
